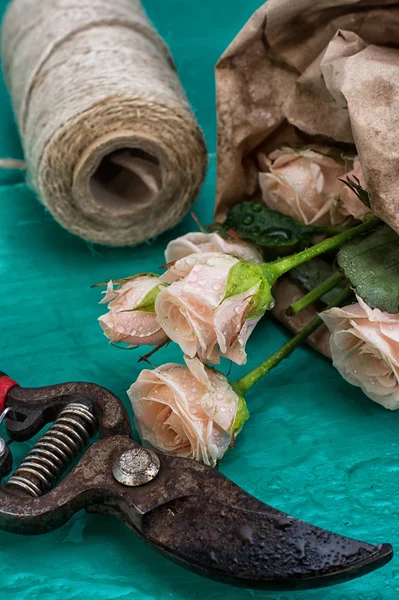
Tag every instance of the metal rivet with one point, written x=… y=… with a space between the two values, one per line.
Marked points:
x=136 y=467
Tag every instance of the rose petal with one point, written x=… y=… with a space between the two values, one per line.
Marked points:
x=135 y=328
x=236 y=352
x=184 y=266
x=229 y=319
x=109 y=294
x=374 y=314
x=196 y=242
x=197 y=368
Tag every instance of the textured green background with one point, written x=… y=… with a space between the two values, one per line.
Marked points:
x=314 y=447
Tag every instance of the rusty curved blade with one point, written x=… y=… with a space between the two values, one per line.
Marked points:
x=200 y=519
x=267 y=550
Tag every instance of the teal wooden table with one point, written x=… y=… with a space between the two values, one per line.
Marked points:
x=314 y=447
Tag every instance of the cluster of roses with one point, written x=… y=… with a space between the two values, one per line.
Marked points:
x=211 y=297
x=189 y=411
x=308 y=186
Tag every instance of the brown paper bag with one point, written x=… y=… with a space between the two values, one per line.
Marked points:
x=325 y=71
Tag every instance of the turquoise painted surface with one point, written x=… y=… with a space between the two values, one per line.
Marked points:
x=314 y=447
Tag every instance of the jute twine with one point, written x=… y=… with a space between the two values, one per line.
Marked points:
x=110 y=142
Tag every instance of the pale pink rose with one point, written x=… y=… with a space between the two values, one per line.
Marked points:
x=365 y=349
x=349 y=204
x=123 y=323
x=191 y=243
x=187 y=411
x=194 y=312
x=303 y=184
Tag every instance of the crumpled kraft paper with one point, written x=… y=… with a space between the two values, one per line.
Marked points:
x=303 y=71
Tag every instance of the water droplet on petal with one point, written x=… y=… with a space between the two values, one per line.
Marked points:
x=197 y=268
x=216 y=286
x=223 y=409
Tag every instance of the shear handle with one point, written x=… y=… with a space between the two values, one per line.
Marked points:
x=33 y=408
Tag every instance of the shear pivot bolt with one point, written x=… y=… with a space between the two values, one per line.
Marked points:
x=136 y=467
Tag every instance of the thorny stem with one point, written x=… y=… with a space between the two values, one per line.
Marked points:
x=147 y=356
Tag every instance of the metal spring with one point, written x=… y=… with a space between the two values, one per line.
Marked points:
x=55 y=450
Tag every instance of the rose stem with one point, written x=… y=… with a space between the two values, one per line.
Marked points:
x=284 y=265
x=315 y=294
x=146 y=357
x=245 y=383
x=330 y=229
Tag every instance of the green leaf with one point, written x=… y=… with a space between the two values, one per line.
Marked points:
x=311 y=274
x=148 y=302
x=242 y=415
x=372 y=265
x=278 y=234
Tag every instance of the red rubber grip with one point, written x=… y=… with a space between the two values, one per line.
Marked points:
x=5 y=385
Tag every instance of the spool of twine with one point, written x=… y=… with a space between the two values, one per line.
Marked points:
x=110 y=142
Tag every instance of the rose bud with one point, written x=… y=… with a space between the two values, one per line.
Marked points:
x=365 y=349
x=187 y=411
x=131 y=318
x=191 y=243
x=213 y=304
x=303 y=184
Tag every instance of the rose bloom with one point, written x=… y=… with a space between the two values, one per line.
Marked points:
x=131 y=318
x=365 y=349
x=195 y=242
x=195 y=313
x=303 y=184
x=187 y=411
